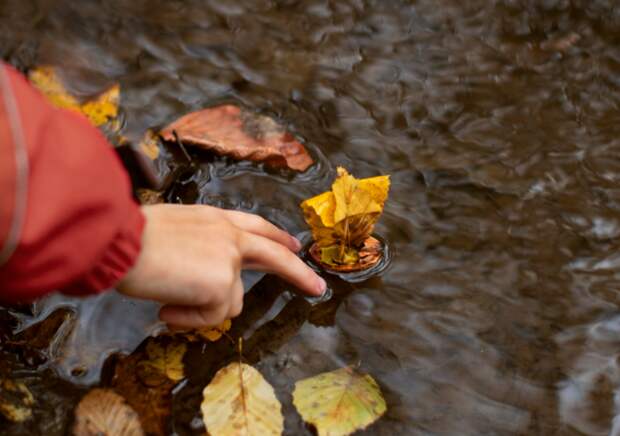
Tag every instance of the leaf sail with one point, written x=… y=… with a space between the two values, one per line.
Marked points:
x=343 y=219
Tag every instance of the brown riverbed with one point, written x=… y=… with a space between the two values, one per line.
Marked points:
x=498 y=121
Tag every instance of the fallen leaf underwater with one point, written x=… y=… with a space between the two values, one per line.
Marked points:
x=99 y=110
x=104 y=412
x=16 y=401
x=239 y=401
x=339 y=402
x=163 y=360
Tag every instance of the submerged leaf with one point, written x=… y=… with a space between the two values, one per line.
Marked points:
x=210 y=334
x=239 y=401
x=343 y=219
x=215 y=333
x=153 y=403
x=149 y=196
x=104 y=108
x=333 y=252
x=99 y=110
x=165 y=361
x=149 y=145
x=241 y=134
x=16 y=401
x=340 y=402
x=104 y=412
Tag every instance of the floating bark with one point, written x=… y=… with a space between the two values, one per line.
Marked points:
x=241 y=134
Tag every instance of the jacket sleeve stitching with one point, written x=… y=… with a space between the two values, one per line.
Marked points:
x=21 y=165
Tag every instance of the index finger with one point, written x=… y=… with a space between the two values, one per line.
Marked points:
x=259 y=226
x=263 y=254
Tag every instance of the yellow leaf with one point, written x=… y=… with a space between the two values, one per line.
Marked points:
x=328 y=254
x=46 y=81
x=149 y=196
x=239 y=401
x=351 y=199
x=164 y=360
x=149 y=145
x=343 y=218
x=321 y=209
x=215 y=333
x=104 y=108
x=340 y=402
x=16 y=401
x=99 y=110
x=104 y=412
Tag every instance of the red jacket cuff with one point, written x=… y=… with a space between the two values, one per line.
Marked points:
x=118 y=258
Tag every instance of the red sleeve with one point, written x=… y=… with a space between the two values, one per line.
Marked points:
x=68 y=221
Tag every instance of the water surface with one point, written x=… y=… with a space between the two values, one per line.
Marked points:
x=498 y=122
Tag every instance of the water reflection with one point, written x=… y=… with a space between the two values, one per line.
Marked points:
x=106 y=323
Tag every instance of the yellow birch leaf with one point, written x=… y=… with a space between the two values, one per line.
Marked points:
x=149 y=145
x=99 y=110
x=104 y=108
x=239 y=401
x=378 y=188
x=340 y=402
x=351 y=199
x=104 y=412
x=16 y=401
x=164 y=360
x=215 y=333
x=149 y=196
x=45 y=80
x=321 y=209
x=342 y=219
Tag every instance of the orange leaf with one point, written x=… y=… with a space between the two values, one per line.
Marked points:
x=241 y=134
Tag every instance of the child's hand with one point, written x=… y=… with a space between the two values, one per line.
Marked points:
x=192 y=257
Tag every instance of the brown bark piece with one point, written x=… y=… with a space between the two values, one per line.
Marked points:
x=241 y=134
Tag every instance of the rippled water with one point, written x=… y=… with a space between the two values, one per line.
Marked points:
x=498 y=121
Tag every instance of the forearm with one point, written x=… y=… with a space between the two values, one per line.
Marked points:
x=68 y=219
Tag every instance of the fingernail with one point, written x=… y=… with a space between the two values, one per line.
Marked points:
x=322 y=286
x=296 y=243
